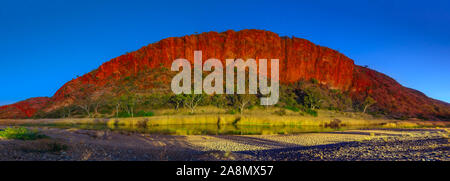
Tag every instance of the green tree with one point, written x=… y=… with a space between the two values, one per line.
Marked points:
x=219 y=100
x=243 y=101
x=191 y=101
x=67 y=111
x=129 y=101
x=117 y=101
x=312 y=99
x=102 y=99
x=177 y=100
x=369 y=101
x=83 y=97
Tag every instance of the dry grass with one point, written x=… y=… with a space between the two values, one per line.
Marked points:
x=402 y=124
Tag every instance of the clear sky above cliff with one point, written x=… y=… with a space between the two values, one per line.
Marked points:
x=47 y=43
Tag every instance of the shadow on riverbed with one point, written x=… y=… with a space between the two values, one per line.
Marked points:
x=296 y=148
x=422 y=149
x=363 y=133
x=256 y=141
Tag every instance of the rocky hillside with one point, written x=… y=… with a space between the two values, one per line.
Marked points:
x=23 y=109
x=299 y=60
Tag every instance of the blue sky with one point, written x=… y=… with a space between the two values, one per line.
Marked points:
x=44 y=44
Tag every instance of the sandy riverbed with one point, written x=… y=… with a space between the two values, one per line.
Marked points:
x=376 y=144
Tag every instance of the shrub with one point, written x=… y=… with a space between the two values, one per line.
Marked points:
x=124 y=115
x=292 y=108
x=312 y=99
x=144 y=114
x=232 y=111
x=251 y=107
x=311 y=112
x=21 y=133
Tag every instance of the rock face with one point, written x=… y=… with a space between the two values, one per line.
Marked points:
x=299 y=60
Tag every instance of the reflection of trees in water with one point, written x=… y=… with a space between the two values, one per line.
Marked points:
x=208 y=129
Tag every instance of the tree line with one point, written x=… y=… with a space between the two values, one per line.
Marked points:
x=123 y=101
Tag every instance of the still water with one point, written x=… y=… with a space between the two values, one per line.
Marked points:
x=208 y=129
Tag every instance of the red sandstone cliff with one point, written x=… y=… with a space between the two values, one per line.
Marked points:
x=299 y=60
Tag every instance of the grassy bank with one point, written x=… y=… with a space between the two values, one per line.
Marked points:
x=253 y=117
x=20 y=133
